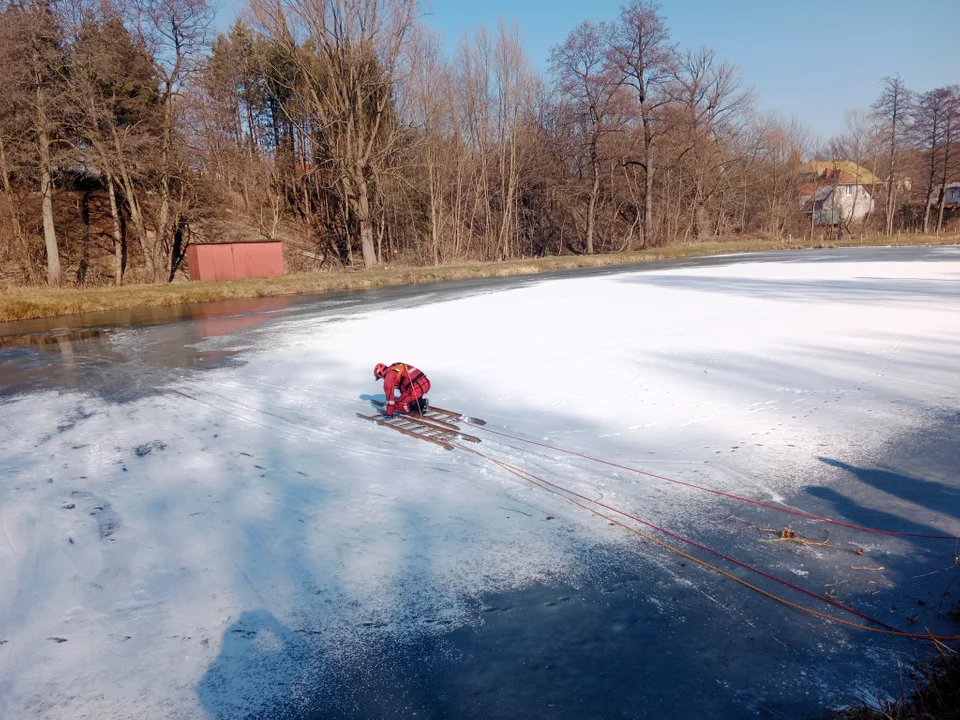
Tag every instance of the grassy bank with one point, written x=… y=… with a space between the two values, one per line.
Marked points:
x=933 y=695
x=26 y=303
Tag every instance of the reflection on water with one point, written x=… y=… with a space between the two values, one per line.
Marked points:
x=59 y=339
x=144 y=316
x=128 y=354
x=237 y=315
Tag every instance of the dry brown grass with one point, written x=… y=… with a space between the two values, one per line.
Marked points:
x=24 y=303
x=933 y=694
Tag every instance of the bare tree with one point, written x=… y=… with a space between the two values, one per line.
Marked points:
x=473 y=67
x=431 y=112
x=34 y=61
x=927 y=131
x=893 y=108
x=850 y=147
x=643 y=54
x=13 y=154
x=116 y=116
x=175 y=33
x=950 y=126
x=782 y=145
x=12 y=204
x=712 y=110
x=514 y=83
x=592 y=86
x=348 y=55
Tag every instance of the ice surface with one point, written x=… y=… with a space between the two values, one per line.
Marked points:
x=144 y=544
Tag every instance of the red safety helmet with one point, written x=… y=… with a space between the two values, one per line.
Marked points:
x=379 y=371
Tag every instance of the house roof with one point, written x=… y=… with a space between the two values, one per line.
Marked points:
x=845 y=172
x=814 y=194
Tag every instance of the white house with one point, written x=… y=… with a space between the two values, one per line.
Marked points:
x=842 y=202
x=952 y=194
x=839 y=192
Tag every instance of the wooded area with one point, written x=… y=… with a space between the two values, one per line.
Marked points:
x=342 y=127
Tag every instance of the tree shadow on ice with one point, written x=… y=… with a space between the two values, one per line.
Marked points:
x=257 y=672
x=936 y=497
x=915 y=473
x=861 y=290
x=844 y=508
x=336 y=649
x=916 y=476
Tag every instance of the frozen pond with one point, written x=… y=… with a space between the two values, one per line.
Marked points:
x=194 y=523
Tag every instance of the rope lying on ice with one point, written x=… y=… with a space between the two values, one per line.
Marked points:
x=576 y=498
x=732 y=496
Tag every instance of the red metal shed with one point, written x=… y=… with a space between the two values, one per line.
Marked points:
x=229 y=261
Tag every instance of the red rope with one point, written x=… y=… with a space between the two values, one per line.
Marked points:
x=732 y=496
x=540 y=482
x=694 y=543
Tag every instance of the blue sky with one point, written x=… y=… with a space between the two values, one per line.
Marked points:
x=813 y=59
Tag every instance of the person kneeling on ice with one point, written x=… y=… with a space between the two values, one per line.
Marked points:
x=411 y=383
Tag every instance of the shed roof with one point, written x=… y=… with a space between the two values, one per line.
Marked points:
x=242 y=241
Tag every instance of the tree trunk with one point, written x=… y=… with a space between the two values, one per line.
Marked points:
x=122 y=177
x=506 y=221
x=813 y=210
x=703 y=227
x=592 y=206
x=119 y=236
x=146 y=237
x=18 y=233
x=648 y=183
x=163 y=223
x=435 y=199
x=891 y=182
x=178 y=250
x=933 y=171
x=434 y=233
x=49 y=229
x=946 y=169
x=87 y=239
x=366 y=224
x=164 y=214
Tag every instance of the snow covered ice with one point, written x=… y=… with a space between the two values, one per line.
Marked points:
x=230 y=540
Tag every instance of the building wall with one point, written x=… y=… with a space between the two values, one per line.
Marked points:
x=229 y=261
x=845 y=203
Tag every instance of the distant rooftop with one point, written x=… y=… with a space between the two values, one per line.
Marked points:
x=842 y=171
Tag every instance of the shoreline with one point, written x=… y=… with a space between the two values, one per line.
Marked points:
x=29 y=303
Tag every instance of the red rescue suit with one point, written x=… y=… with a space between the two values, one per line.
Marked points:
x=412 y=383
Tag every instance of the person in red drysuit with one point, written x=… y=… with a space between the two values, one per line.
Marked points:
x=411 y=382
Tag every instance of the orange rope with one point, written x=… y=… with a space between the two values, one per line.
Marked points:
x=524 y=475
